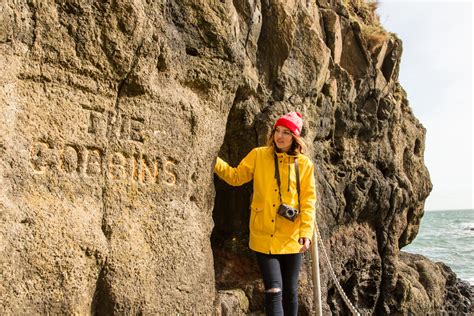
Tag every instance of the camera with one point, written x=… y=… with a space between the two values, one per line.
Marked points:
x=288 y=212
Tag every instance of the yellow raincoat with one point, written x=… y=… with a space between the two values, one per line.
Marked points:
x=270 y=233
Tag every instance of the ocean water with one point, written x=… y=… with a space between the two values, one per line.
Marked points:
x=447 y=236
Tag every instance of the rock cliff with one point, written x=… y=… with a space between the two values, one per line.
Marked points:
x=113 y=113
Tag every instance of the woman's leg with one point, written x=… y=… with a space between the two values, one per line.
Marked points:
x=290 y=270
x=272 y=279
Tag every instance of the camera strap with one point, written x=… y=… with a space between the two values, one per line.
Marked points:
x=297 y=182
x=277 y=177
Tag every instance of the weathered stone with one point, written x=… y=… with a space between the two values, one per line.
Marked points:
x=333 y=34
x=112 y=116
x=354 y=58
x=422 y=287
x=232 y=302
x=106 y=190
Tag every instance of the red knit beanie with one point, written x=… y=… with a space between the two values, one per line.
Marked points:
x=293 y=121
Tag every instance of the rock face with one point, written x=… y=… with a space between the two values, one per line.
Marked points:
x=113 y=113
x=424 y=286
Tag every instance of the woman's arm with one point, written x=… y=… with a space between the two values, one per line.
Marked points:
x=237 y=176
x=308 y=201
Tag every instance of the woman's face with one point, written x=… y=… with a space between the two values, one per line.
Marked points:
x=283 y=138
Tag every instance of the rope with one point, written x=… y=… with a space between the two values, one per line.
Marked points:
x=333 y=275
x=346 y=300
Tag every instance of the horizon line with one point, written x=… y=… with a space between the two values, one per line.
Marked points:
x=455 y=209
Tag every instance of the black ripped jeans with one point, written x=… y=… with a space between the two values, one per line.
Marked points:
x=280 y=272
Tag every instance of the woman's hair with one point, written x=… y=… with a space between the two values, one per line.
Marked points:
x=297 y=146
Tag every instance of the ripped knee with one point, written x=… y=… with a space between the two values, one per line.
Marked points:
x=273 y=290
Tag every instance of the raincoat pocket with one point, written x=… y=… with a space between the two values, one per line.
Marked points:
x=256 y=220
x=288 y=228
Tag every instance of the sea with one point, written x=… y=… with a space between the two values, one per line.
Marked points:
x=447 y=236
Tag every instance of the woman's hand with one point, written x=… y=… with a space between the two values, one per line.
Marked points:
x=305 y=242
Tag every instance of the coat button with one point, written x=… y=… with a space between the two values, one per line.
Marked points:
x=273 y=220
x=271 y=235
x=273 y=205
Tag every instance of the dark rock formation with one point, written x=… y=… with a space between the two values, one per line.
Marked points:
x=113 y=113
x=424 y=287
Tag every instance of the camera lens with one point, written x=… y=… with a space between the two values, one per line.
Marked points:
x=290 y=213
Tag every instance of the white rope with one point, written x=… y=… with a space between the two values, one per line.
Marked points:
x=333 y=275
x=316 y=232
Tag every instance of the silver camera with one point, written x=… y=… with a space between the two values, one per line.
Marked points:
x=288 y=212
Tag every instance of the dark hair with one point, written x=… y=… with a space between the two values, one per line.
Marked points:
x=297 y=145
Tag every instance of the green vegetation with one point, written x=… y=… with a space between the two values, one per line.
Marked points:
x=364 y=12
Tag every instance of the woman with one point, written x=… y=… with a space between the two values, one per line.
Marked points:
x=278 y=240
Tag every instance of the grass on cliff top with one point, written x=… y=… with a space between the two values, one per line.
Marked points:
x=364 y=12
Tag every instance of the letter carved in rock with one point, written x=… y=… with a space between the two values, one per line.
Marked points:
x=118 y=166
x=131 y=128
x=70 y=159
x=96 y=121
x=40 y=154
x=149 y=170
x=93 y=158
x=170 y=173
x=136 y=127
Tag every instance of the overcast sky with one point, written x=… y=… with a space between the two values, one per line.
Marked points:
x=436 y=72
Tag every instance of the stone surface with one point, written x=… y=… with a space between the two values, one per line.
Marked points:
x=232 y=302
x=425 y=286
x=113 y=113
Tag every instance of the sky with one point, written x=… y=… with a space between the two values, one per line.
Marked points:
x=436 y=72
